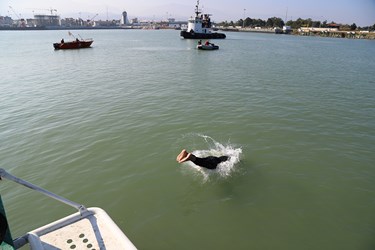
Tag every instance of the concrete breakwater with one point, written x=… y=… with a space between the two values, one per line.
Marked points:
x=323 y=32
x=326 y=32
x=257 y=30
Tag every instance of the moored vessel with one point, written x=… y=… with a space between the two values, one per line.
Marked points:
x=207 y=46
x=77 y=44
x=200 y=27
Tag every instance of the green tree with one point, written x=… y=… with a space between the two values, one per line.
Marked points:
x=309 y=22
x=275 y=22
x=248 y=21
x=316 y=24
x=345 y=27
x=240 y=23
x=224 y=24
x=259 y=23
x=353 y=26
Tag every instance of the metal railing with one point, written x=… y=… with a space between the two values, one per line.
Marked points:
x=81 y=208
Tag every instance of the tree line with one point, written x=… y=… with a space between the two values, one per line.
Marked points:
x=273 y=22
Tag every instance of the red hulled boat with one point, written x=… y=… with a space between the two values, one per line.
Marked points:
x=77 y=44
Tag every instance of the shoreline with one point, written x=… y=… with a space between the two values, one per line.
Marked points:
x=61 y=28
x=311 y=32
x=316 y=32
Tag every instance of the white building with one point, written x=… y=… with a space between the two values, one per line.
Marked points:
x=6 y=21
x=124 y=18
x=47 y=20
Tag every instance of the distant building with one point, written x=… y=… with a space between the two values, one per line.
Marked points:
x=176 y=24
x=102 y=24
x=30 y=22
x=312 y=29
x=124 y=18
x=6 y=21
x=333 y=25
x=47 y=20
x=135 y=22
x=71 y=22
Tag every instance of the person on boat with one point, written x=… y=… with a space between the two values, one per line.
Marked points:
x=77 y=40
x=200 y=42
x=207 y=43
x=3 y=227
x=62 y=40
x=5 y=239
x=209 y=162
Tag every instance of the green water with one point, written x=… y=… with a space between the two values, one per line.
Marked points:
x=103 y=126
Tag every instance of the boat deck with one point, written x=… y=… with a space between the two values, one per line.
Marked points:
x=93 y=231
x=89 y=228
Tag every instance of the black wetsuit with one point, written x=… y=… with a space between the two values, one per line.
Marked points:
x=209 y=162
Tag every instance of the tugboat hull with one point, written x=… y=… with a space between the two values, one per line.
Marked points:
x=194 y=35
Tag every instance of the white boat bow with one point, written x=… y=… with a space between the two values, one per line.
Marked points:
x=89 y=228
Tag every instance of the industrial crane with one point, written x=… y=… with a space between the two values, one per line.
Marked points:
x=50 y=10
x=15 y=13
x=21 y=21
x=90 y=21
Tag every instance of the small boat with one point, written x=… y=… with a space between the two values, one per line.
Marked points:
x=77 y=44
x=200 y=27
x=211 y=46
x=89 y=228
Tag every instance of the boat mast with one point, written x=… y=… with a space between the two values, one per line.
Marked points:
x=286 y=15
x=197 y=12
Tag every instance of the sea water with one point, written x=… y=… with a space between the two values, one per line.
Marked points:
x=103 y=126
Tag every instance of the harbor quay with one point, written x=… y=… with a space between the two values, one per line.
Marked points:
x=322 y=32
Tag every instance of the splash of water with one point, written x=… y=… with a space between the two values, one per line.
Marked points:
x=224 y=169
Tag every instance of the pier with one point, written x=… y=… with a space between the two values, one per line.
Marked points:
x=328 y=32
x=322 y=32
x=247 y=29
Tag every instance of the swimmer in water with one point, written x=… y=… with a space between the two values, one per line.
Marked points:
x=209 y=162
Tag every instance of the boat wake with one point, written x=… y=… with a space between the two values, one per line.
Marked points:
x=224 y=169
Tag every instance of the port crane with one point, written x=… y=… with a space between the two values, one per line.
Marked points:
x=15 y=13
x=91 y=21
x=50 y=10
x=21 y=21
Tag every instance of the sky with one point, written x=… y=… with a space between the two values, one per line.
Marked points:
x=360 y=12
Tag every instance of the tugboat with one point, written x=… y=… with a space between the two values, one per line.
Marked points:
x=199 y=27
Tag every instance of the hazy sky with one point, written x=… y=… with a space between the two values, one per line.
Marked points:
x=361 y=12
